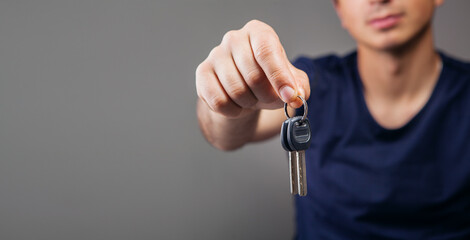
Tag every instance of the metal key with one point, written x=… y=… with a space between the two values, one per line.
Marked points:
x=295 y=139
x=292 y=158
x=298 y=138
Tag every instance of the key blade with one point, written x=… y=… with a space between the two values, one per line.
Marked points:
x=293 y=173
x=301 y=173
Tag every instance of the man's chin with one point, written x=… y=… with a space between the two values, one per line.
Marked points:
x=388 y=45
x=397 y=40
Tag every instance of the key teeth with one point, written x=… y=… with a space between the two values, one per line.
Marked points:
x=295 y=138
x=301 y=174
x=293 y=173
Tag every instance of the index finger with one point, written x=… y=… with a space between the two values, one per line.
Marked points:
x=271 y=57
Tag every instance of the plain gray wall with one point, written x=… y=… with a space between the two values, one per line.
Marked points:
x=98 y=132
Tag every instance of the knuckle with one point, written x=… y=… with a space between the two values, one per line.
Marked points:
x=254 y=77
x=215 y=52
x=230 y=37
x=243 y=98
x=302 y=74
x=264 y=51
x=218 y=103
x=202 y=68
x=200 y=92
x=238 y=93
x=255 y=23
x=278 y=76
x=203 y=76
x=252 y=23
x=235 y=89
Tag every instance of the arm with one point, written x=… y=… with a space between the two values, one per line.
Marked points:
x=232 y=133
x=243 y=77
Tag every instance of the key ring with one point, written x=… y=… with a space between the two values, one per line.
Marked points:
x=305 y=108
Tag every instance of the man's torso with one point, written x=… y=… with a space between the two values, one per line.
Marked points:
x=368 y=182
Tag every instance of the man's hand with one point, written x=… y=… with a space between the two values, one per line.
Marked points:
x=249 y=71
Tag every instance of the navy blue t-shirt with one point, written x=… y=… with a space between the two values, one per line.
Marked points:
x=368 y=182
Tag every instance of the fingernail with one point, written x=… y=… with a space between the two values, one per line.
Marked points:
x=287 y=93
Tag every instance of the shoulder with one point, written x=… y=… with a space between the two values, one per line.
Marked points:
x=455 y=81
x=459 y=66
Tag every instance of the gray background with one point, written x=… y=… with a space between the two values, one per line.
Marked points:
x=98 y=132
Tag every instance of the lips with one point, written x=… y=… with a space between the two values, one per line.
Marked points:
x=386 y=22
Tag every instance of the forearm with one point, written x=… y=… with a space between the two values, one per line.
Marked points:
x=226 y=133
x=249 y=70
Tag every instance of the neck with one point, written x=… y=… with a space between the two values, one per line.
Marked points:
x=398 y=74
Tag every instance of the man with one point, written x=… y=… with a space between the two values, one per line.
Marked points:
x=390 y=152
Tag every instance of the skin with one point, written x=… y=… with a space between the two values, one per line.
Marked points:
x=242 y=83
x=399 y=66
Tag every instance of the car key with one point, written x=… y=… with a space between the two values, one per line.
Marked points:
x=295 y=139
x=292 y=158
x=298 y=138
